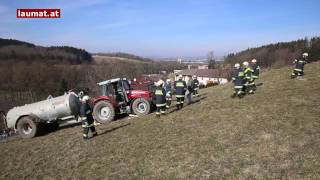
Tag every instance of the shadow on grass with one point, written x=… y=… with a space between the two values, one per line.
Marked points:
x=113 y=129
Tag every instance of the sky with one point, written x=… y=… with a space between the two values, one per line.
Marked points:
x=163 y=28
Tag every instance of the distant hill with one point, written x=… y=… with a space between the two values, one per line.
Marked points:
x=121 y=55
x=279 y=54
x=19 y=51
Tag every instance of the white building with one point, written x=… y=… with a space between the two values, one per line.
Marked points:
x=204 y=76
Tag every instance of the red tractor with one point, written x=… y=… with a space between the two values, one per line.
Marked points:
x=117 y=97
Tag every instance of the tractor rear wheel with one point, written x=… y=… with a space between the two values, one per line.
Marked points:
x=103 y=112
x=141 y=106
x=27 y=128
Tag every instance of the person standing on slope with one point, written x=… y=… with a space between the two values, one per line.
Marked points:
x=87 y=118
x=167 y=88
x=195 y=85
x=249 y=82
x=238 y=79
x=190 y=89
x=180 y=87
x=299 y=69
x=255 y=74
x=160 y=99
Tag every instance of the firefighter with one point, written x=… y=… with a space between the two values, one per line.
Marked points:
x=87 y=118
x=190 y=88
x=238 y=79
x=160 y=98
x=299 y=69
x=195 y=85
x=256 y=71
x=167 y=88
x=180 y=87
x=249 y=82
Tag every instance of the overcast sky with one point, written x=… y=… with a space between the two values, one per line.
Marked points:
x=164 y=28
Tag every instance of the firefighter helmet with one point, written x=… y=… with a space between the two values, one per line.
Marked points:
x=180 y=76
x=85 y=98
x=159 y=83
x=246 y=64
x=168 y=80
x=305 y=54
x=237 y=65
x=253 y=60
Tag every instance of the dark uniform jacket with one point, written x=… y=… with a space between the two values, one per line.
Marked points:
x=160 y=96
x=300 y=64
x=180 y=87
x=195 y=84
x=86 y=112
x=238 y=77
x=256 y=71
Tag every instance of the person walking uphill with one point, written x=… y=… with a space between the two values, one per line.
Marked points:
x=299 y=69
x=87 y=118
x=167 y=88
x=249 y=82
x=238 y=79
x=255 y=74
x=180 y=86
x=160 y=99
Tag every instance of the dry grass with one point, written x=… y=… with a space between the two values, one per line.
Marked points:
x=110 y=59
x=272 y=134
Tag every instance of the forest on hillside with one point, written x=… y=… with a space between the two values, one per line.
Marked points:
x=19 y=51
x=279 y=54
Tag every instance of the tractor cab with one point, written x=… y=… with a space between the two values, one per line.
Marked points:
x=118 y=89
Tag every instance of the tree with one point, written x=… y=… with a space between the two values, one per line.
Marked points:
x=211 y=60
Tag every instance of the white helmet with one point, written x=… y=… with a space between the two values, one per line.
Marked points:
x=180 y=76
x=159 y=83
x=237 y=65
x=253 y=60
x=168 y=80
x=246 y=64
x=85 y=98
x=305 y=54
x=194 y=77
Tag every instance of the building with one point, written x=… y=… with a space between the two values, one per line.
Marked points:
x=204 y=76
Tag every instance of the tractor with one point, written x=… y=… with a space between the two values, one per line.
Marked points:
x=117 y=97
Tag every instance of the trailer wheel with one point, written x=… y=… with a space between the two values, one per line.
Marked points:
x=103 y=112
x=141 y=106
x=27 y=128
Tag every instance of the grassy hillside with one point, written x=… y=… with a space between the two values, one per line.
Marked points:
x=112 y=59
x=272 y=134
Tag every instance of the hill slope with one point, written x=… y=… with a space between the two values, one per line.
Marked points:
x=20 y=51
x=274 y=133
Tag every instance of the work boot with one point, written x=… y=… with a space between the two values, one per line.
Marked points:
x=86 y=138
x=94 y=134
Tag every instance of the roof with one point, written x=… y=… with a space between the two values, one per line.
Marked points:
x=211 y=73
x=110 y=81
